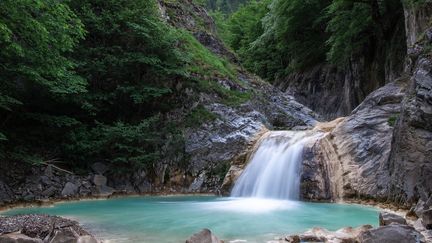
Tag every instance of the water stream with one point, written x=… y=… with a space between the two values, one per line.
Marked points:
x=274 y=167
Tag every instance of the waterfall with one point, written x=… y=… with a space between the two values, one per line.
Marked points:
x=274 y=168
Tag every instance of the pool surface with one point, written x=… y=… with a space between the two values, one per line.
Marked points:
x=175 y=218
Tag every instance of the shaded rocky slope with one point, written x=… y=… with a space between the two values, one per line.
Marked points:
x=224 y=117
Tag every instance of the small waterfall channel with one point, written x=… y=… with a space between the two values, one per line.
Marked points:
x=274 y=168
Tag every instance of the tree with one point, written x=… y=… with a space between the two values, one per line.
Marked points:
x=36 y=74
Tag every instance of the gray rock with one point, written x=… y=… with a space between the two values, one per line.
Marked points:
x=427 y=219
x=18 y=238
x=420 y=208
x=386 y=218
x=351 y=159
x=144 y=186
x=104 y=191
x=48 y=171
x=50 y=191
x=204 y=236
x=86 y=239
x=410 y=161
x=99 y=168
x=391 y=234
x=64 y=236
x=99 y=180
x=6 y=194
x=40 y=226
x=70 y=189
x=198 y=182
x=46 y=180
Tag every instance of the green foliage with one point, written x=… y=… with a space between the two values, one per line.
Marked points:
x=350 y=27
x=37 y=78
x=35 y=36
x=122 y=144
x=225 y=6
x=129 y=56
x=245 y=25
x=2 y=137
x=90 y=80
x=198 y=116
x=202 y=61
x=415 y=3
x=392 y=120
x=299 y=31
x=294 y=35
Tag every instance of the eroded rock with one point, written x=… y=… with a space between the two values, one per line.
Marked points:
x=42 y=228
x=391 y=234
x=427 y=219
x=69 y=189
x=204 y=236
x=386 y=218
x=18 y=238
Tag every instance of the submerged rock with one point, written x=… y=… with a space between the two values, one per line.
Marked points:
x=204 y=236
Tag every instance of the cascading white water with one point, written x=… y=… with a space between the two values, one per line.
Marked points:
x=274 y=168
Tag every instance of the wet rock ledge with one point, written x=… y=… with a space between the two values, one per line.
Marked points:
x=35 y=228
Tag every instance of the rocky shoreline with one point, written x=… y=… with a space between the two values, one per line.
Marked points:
x=34 y=228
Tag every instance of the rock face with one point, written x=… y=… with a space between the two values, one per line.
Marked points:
x=351 y=160
x=204 y=236
x=42 y=228
x=411 y=158
x=344 y=87
x=382 y=150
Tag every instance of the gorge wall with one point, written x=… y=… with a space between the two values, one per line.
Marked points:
x=382 y=150
x=345 y=86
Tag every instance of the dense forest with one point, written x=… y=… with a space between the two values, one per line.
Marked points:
x=275 y=38
x=94 y=79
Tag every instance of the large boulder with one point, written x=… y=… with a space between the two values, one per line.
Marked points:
x=345 y=235
x=70 y=189
x=386 y=218
x=99 y=180
x=64 y=236
x=204 y=236
x=391 y=234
